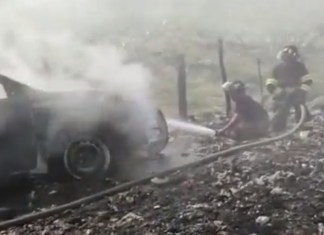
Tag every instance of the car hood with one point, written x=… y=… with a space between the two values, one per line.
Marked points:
x=71 y=98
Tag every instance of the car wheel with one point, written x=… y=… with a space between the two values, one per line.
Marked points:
x=159 y=134
x=87 y=158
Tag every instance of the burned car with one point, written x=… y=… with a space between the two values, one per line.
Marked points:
x=80 y=134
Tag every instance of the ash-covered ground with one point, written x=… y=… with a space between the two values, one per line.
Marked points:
x=273 y=189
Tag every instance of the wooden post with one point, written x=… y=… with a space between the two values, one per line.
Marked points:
x=260 y=81
x=182 y=88
x=224 y=76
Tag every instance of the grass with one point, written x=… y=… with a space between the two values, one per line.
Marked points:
x=158 y=50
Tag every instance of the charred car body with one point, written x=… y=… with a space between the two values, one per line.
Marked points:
x=79 y=133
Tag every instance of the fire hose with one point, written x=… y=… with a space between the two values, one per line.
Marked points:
x=125 y=186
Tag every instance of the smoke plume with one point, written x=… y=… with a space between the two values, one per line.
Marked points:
x=62 y=45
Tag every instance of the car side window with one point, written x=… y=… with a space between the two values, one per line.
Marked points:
x=3 y=93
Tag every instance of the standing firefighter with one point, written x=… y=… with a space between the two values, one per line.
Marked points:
x=289 y=86
x=250 y=120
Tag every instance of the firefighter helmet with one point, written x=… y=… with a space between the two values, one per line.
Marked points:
x=288 y=52
x=234 y=87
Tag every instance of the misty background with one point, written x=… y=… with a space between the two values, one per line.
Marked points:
x=130 y=46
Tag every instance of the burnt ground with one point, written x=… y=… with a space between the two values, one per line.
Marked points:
x=274 y=189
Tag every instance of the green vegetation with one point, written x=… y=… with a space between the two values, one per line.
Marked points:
x=157 y=36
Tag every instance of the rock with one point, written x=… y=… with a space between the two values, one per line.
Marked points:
x=219 y=224
x=130 y=199
x=160 y=180
x=262 y=220
x=304 y=135
x=113 y=220
x=199 y=206
x=320 y=228
x=128 y=218
x=260 y=181
x=277 y=191
x=88 y=232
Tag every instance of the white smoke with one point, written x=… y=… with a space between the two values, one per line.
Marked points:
x=43 y=40
x=49 y=43
x=62 y=45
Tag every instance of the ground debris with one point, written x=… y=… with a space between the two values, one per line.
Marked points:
x=274 y=189
x=262 y=220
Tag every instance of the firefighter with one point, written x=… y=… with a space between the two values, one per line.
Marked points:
x=250 y=120
x=288 y=86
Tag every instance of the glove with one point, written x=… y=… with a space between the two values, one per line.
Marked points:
x=271 y=85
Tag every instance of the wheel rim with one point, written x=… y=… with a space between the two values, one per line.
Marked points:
x=86 y=158
x=159 y=134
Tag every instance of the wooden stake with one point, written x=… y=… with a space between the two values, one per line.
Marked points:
x=182 y=88
x=224 y=76
x=260 y=81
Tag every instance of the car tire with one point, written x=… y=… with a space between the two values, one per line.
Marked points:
x=91 y=150
x=163 y=139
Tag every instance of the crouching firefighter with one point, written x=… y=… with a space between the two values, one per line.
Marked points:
x=250 y=120
x=288 y=86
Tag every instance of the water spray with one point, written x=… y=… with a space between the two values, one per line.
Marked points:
x=190 y=127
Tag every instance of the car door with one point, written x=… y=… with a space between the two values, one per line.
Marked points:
x=18 y=150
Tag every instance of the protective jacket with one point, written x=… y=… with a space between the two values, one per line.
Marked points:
x=290 y=75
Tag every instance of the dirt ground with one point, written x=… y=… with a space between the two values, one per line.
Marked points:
x=274 y=189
